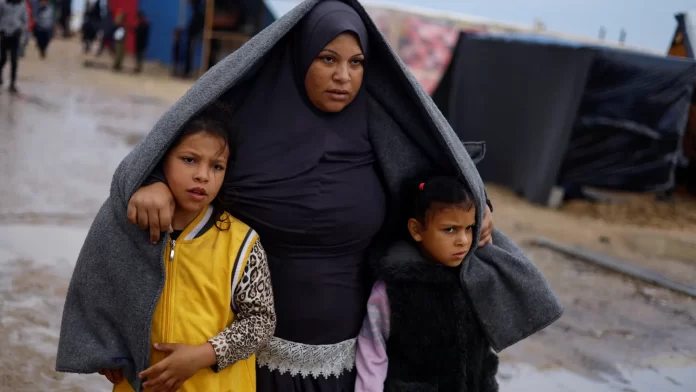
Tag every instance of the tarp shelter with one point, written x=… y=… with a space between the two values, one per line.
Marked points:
x=425 y=38
x=684 y=45
x=558 y=112
x=631 y=122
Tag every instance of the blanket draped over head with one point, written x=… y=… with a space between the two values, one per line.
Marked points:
x=119 y=274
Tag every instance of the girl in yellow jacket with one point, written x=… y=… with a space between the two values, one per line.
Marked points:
x=217 y=278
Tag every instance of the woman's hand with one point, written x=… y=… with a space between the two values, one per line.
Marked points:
x=152 y=207
x=115 y=376
x=181 y=364
x=486 y=228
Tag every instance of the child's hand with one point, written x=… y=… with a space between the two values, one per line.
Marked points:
x=486 y=228
x=181 y=364
x=113 y=375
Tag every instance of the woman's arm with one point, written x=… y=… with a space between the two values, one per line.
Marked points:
x=371 y=359
x=152 y=206
x=255 y=319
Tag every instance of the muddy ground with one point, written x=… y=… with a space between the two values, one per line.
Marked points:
x=64 y=135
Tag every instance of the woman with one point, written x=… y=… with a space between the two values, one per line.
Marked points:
x=329 y=125
x=13 y=23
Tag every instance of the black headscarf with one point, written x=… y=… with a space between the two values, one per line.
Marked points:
x=283 y=138
x=326 y=21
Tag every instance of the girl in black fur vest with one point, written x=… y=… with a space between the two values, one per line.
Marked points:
x=421 y=333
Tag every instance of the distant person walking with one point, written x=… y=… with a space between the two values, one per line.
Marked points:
x=108 y=27
x=43 y=27
x=91 y=25
x=142 y=37
x=13 y=23
x=65 y=15
x=119 y=40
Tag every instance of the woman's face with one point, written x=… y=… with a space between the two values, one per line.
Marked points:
x=335 y=76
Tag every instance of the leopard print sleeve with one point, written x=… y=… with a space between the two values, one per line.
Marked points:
x=255 y=319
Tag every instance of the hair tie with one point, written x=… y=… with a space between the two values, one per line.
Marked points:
x=421 y=186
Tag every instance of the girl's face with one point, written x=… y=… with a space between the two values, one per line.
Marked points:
x=335 y=76
x=447 y=233
x=194 y=170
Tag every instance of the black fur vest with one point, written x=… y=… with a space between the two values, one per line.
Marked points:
x=435 y=341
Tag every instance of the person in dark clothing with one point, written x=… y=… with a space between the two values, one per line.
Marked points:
x=65 y=15
x=13 y=23
x=119 y=41
x=142 y=36
x=43 y=27
x=91 y=25
x=177 y=55
x=194 y=33
x=420 y=332
x=108 y=27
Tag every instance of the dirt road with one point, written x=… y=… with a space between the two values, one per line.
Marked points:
x=61 y=139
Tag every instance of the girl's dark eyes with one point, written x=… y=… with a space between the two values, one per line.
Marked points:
x=449 y=230
x=192 y=160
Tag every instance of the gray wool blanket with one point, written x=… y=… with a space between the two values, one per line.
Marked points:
x=119 y=275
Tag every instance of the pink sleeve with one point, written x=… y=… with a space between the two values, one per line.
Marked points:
x=371 y=359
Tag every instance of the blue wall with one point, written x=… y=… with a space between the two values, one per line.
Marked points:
x=163 y=20
x=164 y=17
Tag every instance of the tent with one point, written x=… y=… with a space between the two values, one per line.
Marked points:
x=684 y=40
x=557 y=112
x=684 y=45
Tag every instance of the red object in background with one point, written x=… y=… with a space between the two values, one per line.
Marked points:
x=130 y=8
x=30 y=14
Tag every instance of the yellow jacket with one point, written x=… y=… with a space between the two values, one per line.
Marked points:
x=205 y=298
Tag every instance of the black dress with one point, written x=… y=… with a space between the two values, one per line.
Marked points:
x=315 y=228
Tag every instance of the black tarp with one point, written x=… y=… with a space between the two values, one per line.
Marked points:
x=631 y=122
x=522 y=100
x=554 y=112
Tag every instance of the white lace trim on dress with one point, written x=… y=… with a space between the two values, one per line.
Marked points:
x=324 y=360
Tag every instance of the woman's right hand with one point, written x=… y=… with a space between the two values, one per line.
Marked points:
x=152 y=207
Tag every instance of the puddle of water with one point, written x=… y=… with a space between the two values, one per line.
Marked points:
x=55 y=153
x=36 y=263
x=44 y=245
x=525 y=378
